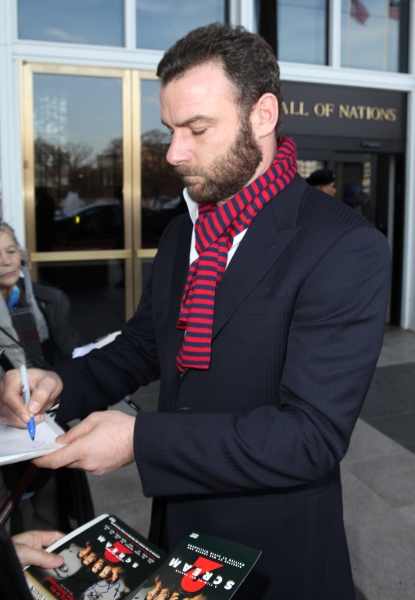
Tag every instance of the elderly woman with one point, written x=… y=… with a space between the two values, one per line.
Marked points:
x=35 y=325
x=35 y=328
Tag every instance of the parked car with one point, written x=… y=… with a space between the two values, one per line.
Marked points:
x=95 y=226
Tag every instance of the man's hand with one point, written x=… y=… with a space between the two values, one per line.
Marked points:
x=101 y=443
x=45 y=386
x=29 y=548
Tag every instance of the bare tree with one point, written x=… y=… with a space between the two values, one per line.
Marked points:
x=157 y=175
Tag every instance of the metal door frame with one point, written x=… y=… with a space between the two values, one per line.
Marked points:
x=131 y=111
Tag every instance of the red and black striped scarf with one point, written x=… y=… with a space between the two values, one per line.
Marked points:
x=215 y=230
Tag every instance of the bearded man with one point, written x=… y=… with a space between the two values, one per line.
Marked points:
x=263 y=318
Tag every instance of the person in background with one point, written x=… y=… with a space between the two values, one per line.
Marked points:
x=36 y=329
x=35 y=320
x=324 y=180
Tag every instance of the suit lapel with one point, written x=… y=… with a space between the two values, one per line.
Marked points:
x=180 y=267
x=267 y=237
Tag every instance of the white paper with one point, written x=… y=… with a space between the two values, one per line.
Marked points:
x=82 y=350
x=16 y=444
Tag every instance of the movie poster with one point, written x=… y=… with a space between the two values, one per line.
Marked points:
x=106 y=560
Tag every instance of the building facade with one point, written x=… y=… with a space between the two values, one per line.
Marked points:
x=83 y=177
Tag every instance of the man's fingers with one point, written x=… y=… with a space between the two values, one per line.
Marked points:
x=38 y=539
x=77 y=432
x=45 y=391
x=99 y=444
x=12 y=408
x=29 y=548
x=75 y=452
x=47 y=538
x=40 y=558
x=64 y=457
x=45 y=386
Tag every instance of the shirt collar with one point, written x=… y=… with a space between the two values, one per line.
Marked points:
x=192 y=206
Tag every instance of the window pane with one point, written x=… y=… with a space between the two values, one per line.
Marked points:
x=96 y=296
x=306 y=167
x=370 y=34
x=353 y=183
x=78 y=162
x=161 y=23
x=301 y=31
x=160 y=187
x=72 y=21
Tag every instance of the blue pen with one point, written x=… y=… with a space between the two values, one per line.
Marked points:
x=26 y=397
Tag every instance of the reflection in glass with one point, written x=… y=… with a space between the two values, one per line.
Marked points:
x=353 y=185
x=161 y=198
x=73 y=21
x=302 y=31
x=370 y=34
x=306 y=167
x=96 y=296
x=78 y=162
x=160 y=24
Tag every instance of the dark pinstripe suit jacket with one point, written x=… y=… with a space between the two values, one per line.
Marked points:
x=250 y=449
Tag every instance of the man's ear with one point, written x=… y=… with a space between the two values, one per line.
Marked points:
x=264 y=116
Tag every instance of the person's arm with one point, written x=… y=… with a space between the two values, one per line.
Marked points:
x=30 y=546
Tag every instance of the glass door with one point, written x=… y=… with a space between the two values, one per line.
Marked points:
x=78 y=189
x=355 y=182
x=157 y=190
x=355 y=174
x=98 y=189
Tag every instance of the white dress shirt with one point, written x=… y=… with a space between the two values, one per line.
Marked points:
x=194 y=213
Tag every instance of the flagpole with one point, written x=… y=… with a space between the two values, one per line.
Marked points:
x=386 y=32
x=349 y=34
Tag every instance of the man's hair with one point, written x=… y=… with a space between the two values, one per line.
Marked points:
x=246 y=58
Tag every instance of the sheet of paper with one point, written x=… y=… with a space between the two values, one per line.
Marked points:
x=16 y=445
x=82 y=350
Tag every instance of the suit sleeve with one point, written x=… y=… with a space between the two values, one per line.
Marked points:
x=334 y=341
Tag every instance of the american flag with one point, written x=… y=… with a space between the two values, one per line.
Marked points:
x=395 y=9
x=358 y=11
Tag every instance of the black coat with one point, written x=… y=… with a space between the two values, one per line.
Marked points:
x=55 y=306
x=250 y=449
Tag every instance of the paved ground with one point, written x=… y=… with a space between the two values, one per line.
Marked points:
x=378 y=479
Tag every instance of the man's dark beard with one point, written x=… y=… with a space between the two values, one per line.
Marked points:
x=230 y=173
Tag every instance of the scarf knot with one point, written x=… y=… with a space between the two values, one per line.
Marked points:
x=215 y=230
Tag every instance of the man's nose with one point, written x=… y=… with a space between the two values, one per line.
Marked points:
x=178 y=151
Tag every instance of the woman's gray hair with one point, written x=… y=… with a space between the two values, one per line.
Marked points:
x=6 y=227
x=41 y=324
